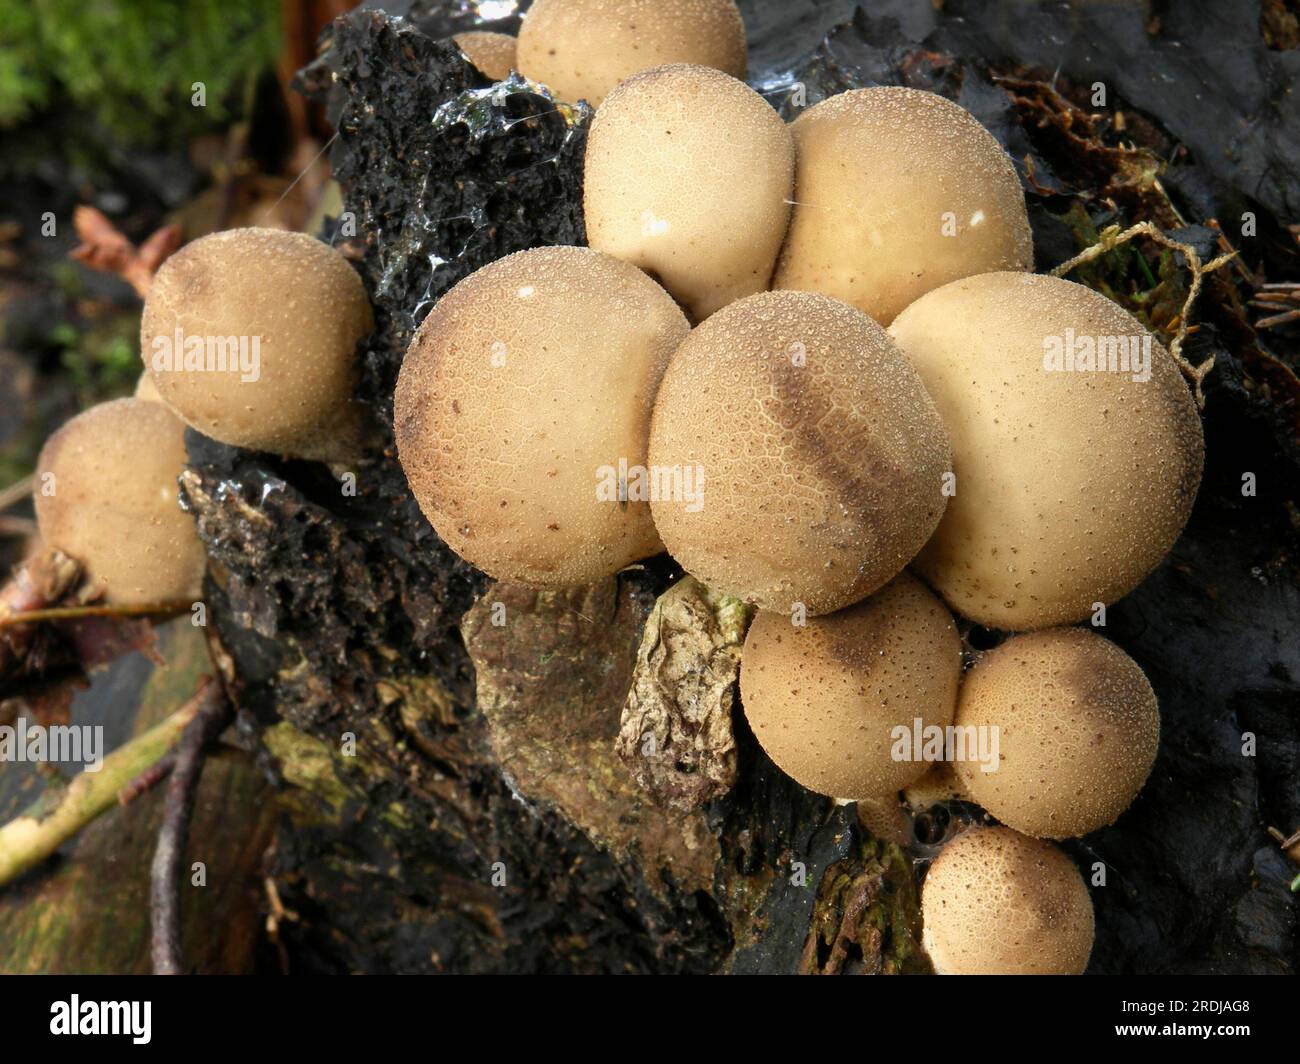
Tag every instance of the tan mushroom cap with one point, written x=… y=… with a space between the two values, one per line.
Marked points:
x=998 y=903
x=306 y=308
x=823 y=699
x=688 y=175
x=518 y=397
x=493 y=54
x=822 y=455
x=112 y=472
x=1070 y=486
x=581 y=49
x=898 y=191
x=1078 y=730
x=146 y=389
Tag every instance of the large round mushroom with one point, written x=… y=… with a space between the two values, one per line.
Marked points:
x=251 y=336
x=998 y=903
x=688 y=175
x=581 y=49
x=898 y=191
x=106 y=495
x=1077 y=727
x=522 y=411
x=825 y=699
x=820 y=455
x=1071 y=484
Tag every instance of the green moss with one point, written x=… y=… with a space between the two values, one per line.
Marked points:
x=130 y=64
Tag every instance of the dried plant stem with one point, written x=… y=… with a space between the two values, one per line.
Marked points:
x=72 y=613
x=1111 y=237
x=209 y=721
x=17 y=491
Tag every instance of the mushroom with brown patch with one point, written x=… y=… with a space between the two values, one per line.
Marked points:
x=999 y=903
x=1077 y=727
x=825 y=699
x=820 y=457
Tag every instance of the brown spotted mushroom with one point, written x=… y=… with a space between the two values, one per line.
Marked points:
x=1070 y=485
x=106 y=495
x=688 y=175
x=999 y=903
x=522 y=411
x=581 y=49
x=898 y=191
x=251 y=336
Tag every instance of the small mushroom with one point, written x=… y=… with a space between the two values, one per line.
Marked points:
x=998 y=903
x=688 y=175
x=825 y=699
x=898 y=191
x=581 y=49
x=818 y=455
x=106 y=495
x=1078 y=730
x=522 y=411
x=1070 y=484
x=146 y=389
x=251 y=336
x=493 y=54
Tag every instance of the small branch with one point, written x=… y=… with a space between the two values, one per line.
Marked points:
x=17 y=491
x=1111 y=238
x=165 y=875
x=51 y=820
x=148 y=779
x=99 y=609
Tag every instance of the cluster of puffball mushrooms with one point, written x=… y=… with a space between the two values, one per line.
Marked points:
x=827 y=334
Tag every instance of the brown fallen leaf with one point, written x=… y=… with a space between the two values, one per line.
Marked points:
x=104 y=248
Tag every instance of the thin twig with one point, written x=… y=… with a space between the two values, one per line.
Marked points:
x=148 y=779
x=100 y=609
x=1111 y=237
x=165 y=874
x=57 y=816
x=17 y=491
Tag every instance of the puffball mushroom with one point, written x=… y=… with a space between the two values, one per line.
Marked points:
x=581 y=49
x=817 y=455
x=997 y=903
x=1071 y=485
x=106 y=495
x=823 y=699
x=688 y=175
x=1077 y=728
x=523 y=402
x=146 y=389
x=898 y=191
x=251 y=336
x=493 y=54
